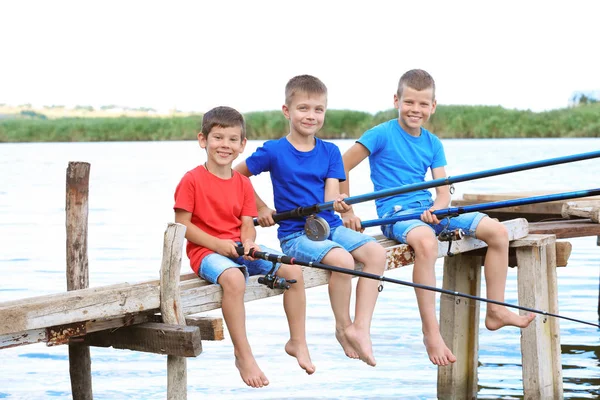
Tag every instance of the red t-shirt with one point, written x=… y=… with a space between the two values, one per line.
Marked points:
x=217 y=206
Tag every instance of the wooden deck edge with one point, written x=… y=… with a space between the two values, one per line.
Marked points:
x=118 y=305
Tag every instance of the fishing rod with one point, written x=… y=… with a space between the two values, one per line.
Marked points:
x=455 y=211
x=278 y=258
x=316 y=208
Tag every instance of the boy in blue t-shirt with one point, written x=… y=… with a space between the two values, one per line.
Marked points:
x=400 y=152
x=306 y=170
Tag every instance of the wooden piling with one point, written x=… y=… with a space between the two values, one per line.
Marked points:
x=459 y=325
x=78 y=178
x=540 y=341
x=171 y=307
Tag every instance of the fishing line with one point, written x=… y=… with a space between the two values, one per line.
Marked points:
x=292 y=261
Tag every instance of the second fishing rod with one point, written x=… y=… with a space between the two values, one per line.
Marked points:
x=316 y=208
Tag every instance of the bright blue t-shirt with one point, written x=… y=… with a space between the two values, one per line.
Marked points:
x=397 y=159
x=298 y=178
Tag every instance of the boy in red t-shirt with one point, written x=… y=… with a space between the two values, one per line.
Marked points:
x=217 y=206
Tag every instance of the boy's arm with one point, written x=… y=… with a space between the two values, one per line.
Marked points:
x=248 y=234
x=442 y=197
x=265 y=214
x=201 y=238
x=352 y=157
x=332 y=193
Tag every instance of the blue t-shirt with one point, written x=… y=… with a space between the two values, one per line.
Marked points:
x=397 y=159
x=298 y=178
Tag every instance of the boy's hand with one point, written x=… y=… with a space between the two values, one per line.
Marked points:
x=340 y=205
x=429 y=217
x=249 y=245
x=352 y=221
x=227 y=248
x=265 y=217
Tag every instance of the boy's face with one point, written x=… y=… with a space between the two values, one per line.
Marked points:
x=306 y=113
x=223 y=145
x=414 y=108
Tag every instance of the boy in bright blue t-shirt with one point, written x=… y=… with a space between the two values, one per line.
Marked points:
x=401 y=152
x=306 y=170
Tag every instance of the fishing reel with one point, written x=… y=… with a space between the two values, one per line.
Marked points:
x=316 y=228
x=450 y=235
x=273 y=281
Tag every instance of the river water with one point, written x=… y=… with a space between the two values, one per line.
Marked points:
x=130 y=204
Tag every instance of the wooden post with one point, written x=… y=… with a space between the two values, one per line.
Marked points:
x=171 y=307
x=459 y=325
x=540 y=341
x=78 y=178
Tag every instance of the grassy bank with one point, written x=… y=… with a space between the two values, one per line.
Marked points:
x=447 y=122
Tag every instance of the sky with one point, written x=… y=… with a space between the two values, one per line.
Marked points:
x=195 y=55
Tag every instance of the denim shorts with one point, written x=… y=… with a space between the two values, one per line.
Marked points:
x=298 y=245
x=399 y=231
x=214 y=264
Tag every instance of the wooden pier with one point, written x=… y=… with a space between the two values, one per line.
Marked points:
x=161 y=316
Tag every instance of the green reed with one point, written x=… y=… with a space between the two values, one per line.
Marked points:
x=449 y=121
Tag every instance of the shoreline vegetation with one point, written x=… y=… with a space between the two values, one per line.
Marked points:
x=449 y=122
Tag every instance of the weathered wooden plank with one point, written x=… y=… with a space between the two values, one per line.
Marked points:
x=77 y=306
x=539 y=354
x=399 y=255
x=533 y=240
x=113 y=303
x=489 y=197
x=563 y=252
x=533 y=212
x=76 y=210
x=210 y=328
x=566 y=228
x=584 y=209
x=459 y=325
x=171 y=308
x=555 y=349
x=149 y=337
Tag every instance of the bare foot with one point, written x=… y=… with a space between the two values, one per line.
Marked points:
x=439 y=353
x=300 y=351
x=500 y=316
x=348 y=349
x=361 y=341
x=250 y=372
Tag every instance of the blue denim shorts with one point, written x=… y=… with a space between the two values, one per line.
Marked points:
x=399 y=231
x=214 y=264
x=298 y=245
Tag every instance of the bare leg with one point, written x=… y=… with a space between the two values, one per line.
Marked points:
x=423 y=241
x=340 y=290
x=373 y=256
x=496 y=265
x=233 y=283
x=294 y=304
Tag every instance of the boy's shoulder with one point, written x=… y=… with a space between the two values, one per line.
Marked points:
x=384 y=126
x=194 y=172
x=242 y=177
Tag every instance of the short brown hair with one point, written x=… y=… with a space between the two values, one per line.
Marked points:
x=225 y=117
x=305 y=84
x=417 y=79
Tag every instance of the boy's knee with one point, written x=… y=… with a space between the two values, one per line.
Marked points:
x=376 y=253
x=426 y=245
x=232 y=280
x=288 y=271
x=495 y=232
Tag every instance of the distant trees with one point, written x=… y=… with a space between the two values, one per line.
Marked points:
x=580 y=98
